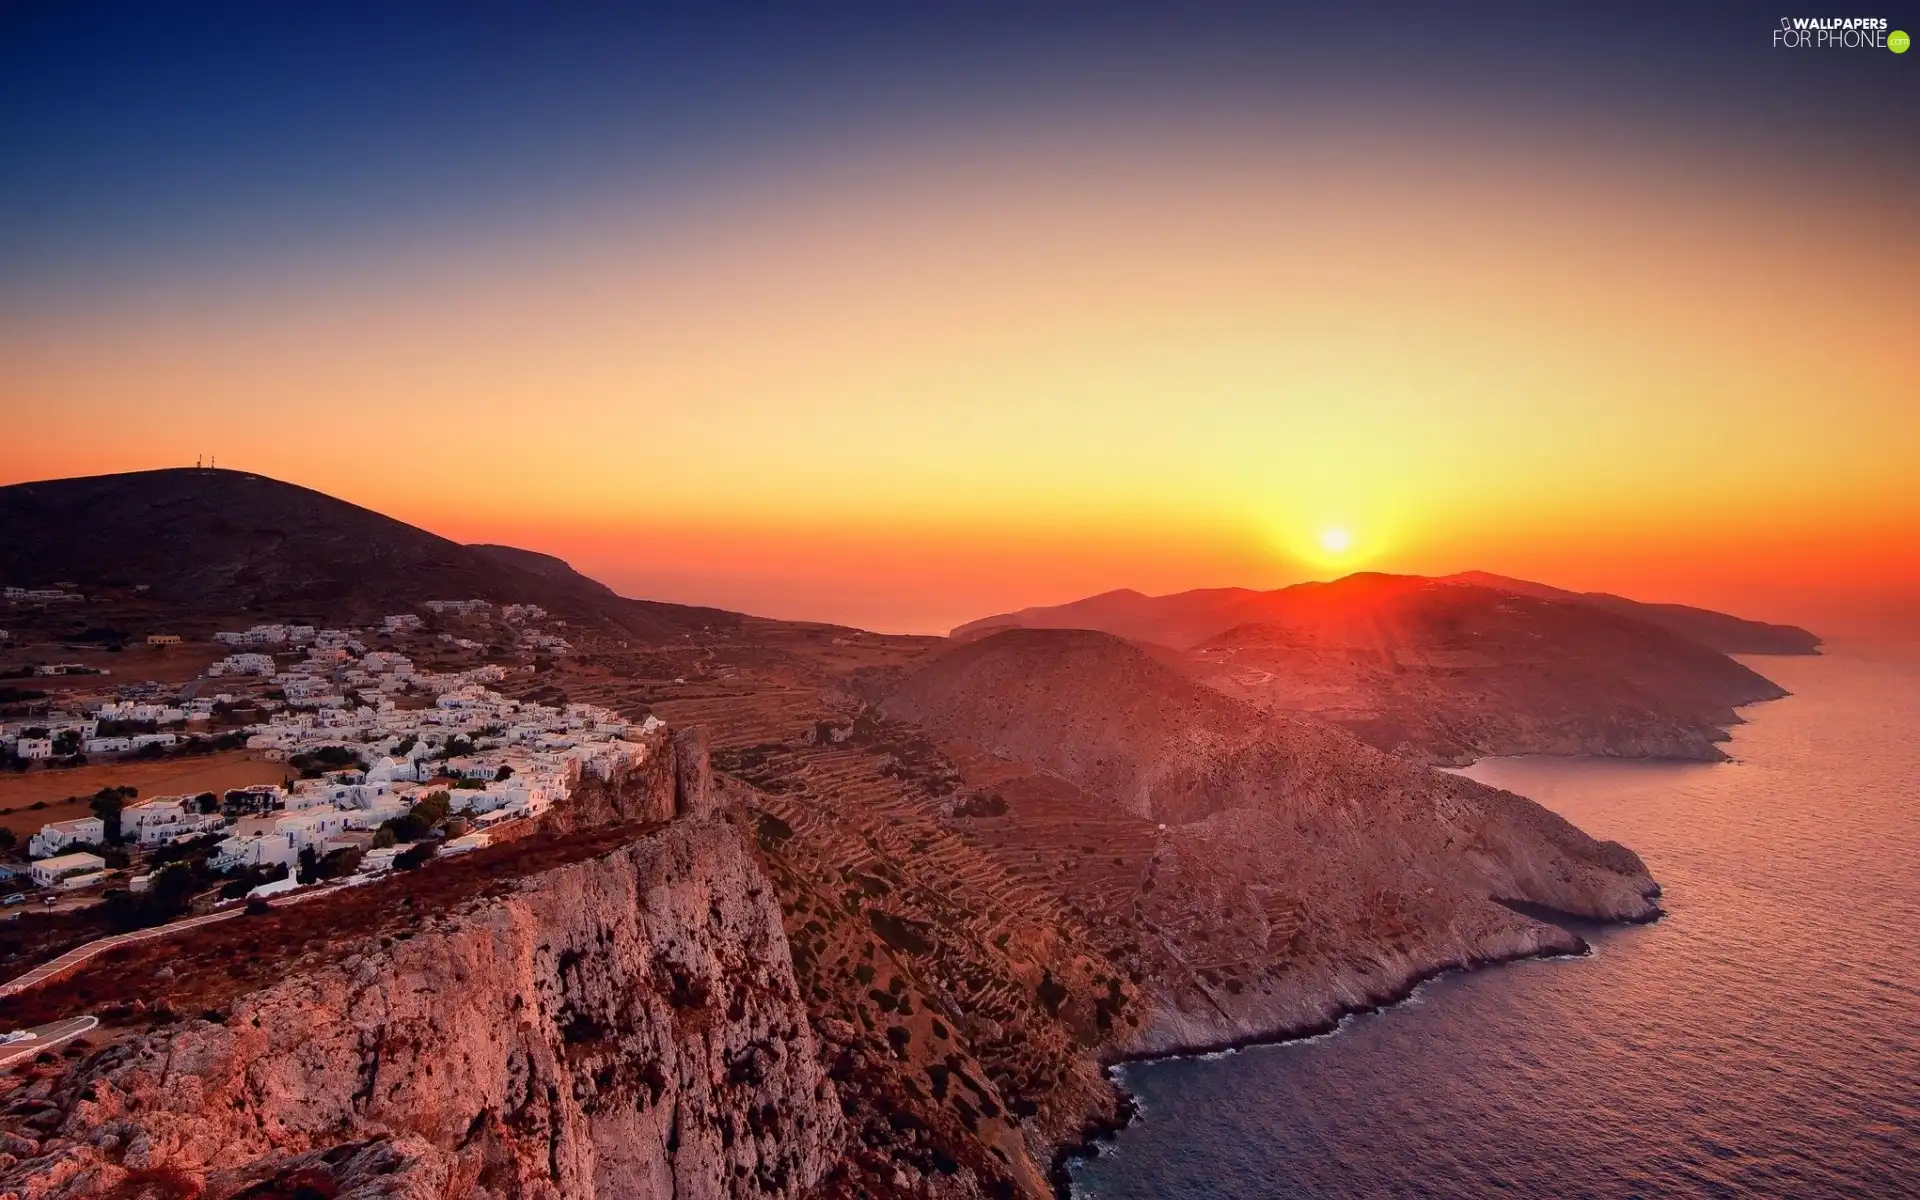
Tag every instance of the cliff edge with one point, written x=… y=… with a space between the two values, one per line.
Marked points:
x=627 y=1025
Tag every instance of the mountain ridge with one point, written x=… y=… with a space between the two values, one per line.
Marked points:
x=1183 y=620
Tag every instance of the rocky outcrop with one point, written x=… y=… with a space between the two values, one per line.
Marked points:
x=643 y=792
x=693 y=775
x=672 y=779
x=627 y=1025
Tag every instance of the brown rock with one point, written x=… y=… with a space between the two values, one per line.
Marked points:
x=693 y=774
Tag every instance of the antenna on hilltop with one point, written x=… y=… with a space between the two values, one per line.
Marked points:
x=197 y=461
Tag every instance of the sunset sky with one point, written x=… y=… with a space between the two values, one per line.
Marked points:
x=899 y=320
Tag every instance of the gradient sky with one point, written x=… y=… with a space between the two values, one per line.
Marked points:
x=904 y=314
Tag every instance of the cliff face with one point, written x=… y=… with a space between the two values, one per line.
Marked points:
x=623 y=1026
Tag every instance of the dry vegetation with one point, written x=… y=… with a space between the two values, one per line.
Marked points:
x=157 y=777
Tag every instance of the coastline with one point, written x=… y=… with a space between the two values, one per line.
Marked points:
x=1104 y=1131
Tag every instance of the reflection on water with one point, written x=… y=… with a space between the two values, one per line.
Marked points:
x=1762 y=1040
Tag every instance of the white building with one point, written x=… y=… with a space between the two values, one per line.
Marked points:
x=56 y=836
x=260 y=850
x=278 y=887
x=311 y=827
x=162 y=819
x=464 y=608
x=243 y=664
x=50 y=871
x=380 y=859
x=258 y=797
x=28 y=747
x=382 y=811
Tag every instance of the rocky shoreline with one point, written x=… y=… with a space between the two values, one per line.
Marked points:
x=1099 y=1132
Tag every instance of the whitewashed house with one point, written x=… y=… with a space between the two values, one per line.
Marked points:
x=56 y=836
x=258 y=850
x=312 y=826
x=74 y=868
x=162 y=819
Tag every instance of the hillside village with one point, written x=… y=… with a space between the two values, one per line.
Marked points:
x=388 y=763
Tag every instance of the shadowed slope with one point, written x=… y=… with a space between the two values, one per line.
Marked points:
x=1722 y=631
x=1453 y=671
x=1449 y=670
x=228 y=541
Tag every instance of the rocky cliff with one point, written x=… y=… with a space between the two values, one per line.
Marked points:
x=627 y=1025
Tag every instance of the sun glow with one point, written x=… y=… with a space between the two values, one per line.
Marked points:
x=1336 y=541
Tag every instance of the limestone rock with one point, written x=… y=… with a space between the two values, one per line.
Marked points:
x=624 y=1026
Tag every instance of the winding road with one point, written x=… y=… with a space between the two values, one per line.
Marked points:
x=45 y=1037
x=55 y=968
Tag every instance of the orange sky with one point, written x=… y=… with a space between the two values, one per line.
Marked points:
x=906 y=386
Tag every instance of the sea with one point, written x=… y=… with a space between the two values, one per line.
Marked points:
x=1762 y=1039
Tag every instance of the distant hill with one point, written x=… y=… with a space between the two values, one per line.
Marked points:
x=1453 y=671
x=1724 y=632
x=232 y=542
x=1186 y=619
x=1449 y=670
x=1181 y=620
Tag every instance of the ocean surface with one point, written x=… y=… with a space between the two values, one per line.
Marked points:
x=1761 y=1040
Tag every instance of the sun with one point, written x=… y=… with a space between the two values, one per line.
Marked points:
x=1336 y=541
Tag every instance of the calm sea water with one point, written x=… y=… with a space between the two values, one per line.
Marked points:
x=1762 y=1040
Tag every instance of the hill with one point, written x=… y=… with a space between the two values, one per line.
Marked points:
x=1351 y=854
x=1450 y=672
x=218 y=541
x=1722 y=631
x=1177 y=621
x=1185 y=619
